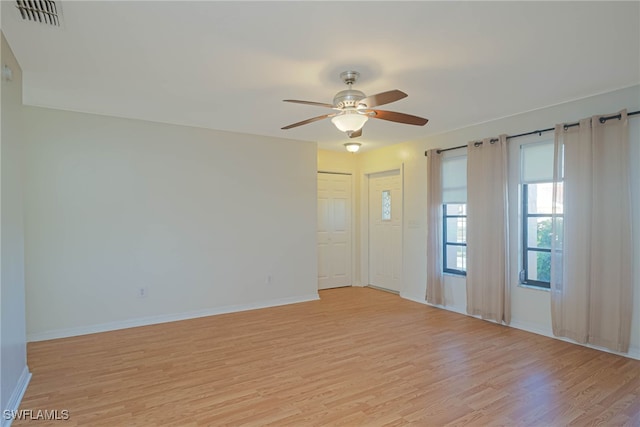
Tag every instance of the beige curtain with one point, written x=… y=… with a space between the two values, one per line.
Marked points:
x=591 y=286
x=435 y=292
x=487 y=231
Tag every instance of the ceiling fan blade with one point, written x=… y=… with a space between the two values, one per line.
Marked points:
x=392 y=116
x=382 y=98
x=356 y=133
x=304 y=122
x=317 y=104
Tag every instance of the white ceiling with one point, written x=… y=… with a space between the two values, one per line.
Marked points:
x=229 y=65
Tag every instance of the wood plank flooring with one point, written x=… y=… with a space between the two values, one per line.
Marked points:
x=356 y=357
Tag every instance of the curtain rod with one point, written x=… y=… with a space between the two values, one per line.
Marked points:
x=539 y=132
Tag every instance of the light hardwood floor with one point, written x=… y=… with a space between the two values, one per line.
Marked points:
x=356 y=357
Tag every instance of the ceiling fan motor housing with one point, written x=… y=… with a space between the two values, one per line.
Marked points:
x=348 y=98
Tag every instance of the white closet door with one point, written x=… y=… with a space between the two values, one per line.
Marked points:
x=334 y=230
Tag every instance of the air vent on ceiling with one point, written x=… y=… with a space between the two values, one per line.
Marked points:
x=43 y=11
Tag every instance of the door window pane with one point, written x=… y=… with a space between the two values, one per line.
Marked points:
x=386 y=205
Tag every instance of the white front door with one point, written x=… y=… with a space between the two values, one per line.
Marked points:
x=334 y=230
x=385 y=230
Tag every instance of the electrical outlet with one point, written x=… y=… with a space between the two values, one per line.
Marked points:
x=142 y=292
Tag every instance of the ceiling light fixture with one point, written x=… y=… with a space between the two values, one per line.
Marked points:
x=350 y=120
x=352 y=147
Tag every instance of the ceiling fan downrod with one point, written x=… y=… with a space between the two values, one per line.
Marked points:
x=349 y=77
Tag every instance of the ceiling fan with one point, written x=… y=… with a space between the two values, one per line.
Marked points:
x=354 y=108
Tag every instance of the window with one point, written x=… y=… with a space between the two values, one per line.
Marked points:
x=455 y=238
x=454 y=214
x=386 y=205
x=536 y=234
x=537 y=208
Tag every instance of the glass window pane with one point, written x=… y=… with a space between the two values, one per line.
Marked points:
x=539 y=232
x=456 y=258
x=539 y=266
x=457 y=230
x=540 y=198
x=386 y=205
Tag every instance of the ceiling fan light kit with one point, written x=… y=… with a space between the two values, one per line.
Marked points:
x=350 y=121
x=354 y=108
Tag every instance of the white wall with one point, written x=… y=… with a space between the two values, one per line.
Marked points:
x=531 y=308
x=205 y=221
x=14 y=374
x=337 y=161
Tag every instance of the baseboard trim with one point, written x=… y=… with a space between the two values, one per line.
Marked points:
x=145 y=321
x=379 y=288
x=444 y=307
x=16 y=396
x=634 y=352
x=533 y=328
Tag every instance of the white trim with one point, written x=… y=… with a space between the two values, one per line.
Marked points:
x=532 y=327
x=634 y=352
x=355 y=277
x=378 y=288
x=144 y=321
x=447 y=307
x=364 y=235
x=16 y=397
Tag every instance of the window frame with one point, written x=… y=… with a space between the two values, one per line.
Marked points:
x=445 y=243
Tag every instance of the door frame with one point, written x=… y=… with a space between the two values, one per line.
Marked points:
x=364 y=221
x=354 y=282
